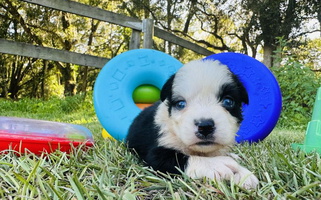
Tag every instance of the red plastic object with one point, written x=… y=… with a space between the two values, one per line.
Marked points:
x=37 y=136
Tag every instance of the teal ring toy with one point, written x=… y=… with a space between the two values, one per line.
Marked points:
x=119 y=78
x=265 y=99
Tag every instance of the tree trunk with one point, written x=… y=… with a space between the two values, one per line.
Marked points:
x=16 y=69
x=69 y=80
x=84 y=80
x=3 y=79
x=43 y=79
x=268 y=51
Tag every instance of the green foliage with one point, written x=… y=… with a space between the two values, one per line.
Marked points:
x=299 y=86
x=309 y=53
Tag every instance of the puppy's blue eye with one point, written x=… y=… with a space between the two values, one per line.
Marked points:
x=180 y=105
x=228 y=102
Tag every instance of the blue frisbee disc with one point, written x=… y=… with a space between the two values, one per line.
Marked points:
x=265 y=99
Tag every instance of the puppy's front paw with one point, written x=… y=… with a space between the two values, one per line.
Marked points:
x=246 y=178
x=221 y=168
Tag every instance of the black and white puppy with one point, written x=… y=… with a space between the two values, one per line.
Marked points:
x=194 y=125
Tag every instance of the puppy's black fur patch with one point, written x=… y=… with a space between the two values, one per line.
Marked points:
x=238 y=93
x=167 y=89
x=167 y=92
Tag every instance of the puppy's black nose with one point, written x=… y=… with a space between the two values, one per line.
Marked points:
x=205 y=128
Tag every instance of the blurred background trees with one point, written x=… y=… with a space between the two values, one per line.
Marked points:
x=253 y=27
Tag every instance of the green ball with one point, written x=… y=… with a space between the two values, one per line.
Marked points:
x=146 y=94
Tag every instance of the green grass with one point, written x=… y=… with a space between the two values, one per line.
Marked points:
x=109 y=171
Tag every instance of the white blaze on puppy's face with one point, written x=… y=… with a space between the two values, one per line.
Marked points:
x=197 y=96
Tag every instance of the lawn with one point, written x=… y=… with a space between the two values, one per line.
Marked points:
x=109 y=171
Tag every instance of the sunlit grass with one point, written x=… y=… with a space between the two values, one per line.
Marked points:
x=109 y=171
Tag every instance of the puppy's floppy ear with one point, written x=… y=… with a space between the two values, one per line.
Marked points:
x=166 y=91
x=243 y=92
